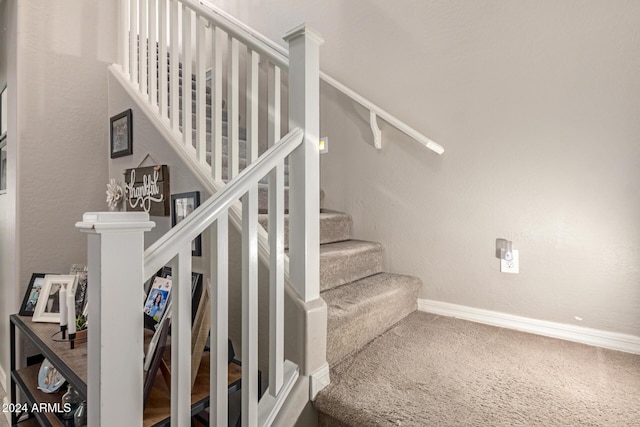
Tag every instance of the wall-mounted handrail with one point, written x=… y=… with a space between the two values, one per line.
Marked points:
x=163 y=250
x=235 y=27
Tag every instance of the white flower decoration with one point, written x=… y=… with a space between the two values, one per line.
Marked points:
x=115 y=194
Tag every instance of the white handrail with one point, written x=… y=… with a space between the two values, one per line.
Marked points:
x=249 y=35
x=163 y=250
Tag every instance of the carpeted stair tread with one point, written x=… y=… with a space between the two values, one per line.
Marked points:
x=430 y=370
x=348 y=261
x=362 y=310
x=334 y=226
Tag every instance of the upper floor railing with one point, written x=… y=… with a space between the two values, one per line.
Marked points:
x=375 y=111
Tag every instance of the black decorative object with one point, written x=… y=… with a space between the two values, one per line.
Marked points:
x=122 y=134
x=181 y=206
x=31 y=296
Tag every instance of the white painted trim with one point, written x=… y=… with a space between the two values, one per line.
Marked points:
x=269 y=406
x=596 y=337
x=319 y=380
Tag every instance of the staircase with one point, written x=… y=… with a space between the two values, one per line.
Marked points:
x=337 y=297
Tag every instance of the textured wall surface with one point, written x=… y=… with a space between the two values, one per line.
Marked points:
x=59 y=141
x=8 y=267
x=536 y=104
x=64 y=48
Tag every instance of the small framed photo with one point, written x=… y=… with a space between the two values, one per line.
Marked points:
x=158 y=298
x=81 y=288
x=31 y=296
x=182 y=205
x=122 y=134
x=196 y=287
x=48 y=305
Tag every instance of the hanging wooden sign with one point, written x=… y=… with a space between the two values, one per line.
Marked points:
x=147 y=190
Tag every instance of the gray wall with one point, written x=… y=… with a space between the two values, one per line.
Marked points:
x=60 y=137
x=8 y=266
x=536 y=104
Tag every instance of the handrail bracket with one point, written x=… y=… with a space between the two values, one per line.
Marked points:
x=375 y=130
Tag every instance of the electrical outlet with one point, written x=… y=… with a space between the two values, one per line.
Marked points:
x=512 y=266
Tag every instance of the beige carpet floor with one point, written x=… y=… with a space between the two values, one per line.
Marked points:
x=437 y=371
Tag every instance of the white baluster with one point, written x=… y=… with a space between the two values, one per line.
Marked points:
x=233 y=110
x=115 y=243
x=181 y=338
x=187 y=88
x=123 y=37
x=219 y=38
x=133 y=41
x=219 y=319
x=152 y=48
x=250 y=307
x=163 y=85
x=274 y=105
x=276 y=242
x=201 y=91
x=276 y=278
x=253 y=77
x=304 y=162
x=142 y=46
x=174 y=93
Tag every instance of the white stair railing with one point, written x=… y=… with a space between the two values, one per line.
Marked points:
x=375 y=111
x=229 y=57
x=115 y=243
x=166 y=46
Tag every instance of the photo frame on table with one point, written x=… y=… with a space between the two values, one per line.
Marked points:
x=181 y=206
x=158 y=298
x=48 y=305
x=196 y=288
x=81 y=289
x=122 y=134
x=30 y=300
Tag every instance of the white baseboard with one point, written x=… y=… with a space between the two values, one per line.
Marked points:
x=319 y=380
x=596 y=337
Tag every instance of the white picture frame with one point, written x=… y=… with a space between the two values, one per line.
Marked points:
x=48 y=305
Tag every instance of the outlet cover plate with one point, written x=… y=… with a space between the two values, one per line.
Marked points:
x=512 y=266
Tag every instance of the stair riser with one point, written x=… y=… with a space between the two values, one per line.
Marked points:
x=348 y=331
x=332 y=229
x=263 y=199
x=340 y=268
x=325 y=420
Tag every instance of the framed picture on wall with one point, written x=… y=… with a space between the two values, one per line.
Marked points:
x=181 y=206
x=122 y=134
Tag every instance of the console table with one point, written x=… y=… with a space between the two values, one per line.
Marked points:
x=72 y=365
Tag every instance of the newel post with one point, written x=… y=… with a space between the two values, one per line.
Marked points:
x=115 y=366
x=304 y=164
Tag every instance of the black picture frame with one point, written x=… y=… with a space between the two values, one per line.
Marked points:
x=121 y=126
x=28 y=306
x=182 y=205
